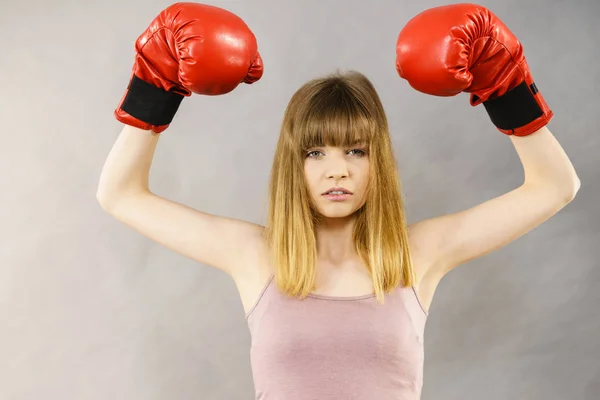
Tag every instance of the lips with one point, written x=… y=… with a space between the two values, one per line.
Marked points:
x=338 y=189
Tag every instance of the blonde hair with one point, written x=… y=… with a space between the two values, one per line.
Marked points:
x=339 y=110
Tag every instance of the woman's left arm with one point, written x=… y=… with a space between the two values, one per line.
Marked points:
x=550 y=184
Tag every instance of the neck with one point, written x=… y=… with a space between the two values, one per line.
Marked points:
x=334 y=240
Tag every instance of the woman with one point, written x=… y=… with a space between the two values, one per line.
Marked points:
x=336 y=286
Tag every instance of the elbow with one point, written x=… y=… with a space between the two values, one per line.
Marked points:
x=564 y=187
x=568 y=191
x=574 y=188
x=110 y=199
x=561 y=193
x=102 y=199
x=106 y=199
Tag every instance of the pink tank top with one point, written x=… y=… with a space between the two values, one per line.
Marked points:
x=332 y=348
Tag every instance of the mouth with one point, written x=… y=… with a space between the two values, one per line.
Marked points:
x=337 y=192
x=336 y=196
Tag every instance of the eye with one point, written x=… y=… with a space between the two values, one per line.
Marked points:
x=308 y=155
x=361 y=152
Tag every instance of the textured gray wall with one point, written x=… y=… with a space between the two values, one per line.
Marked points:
x=91 y=310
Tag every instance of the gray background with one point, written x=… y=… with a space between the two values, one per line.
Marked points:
x=91 y=310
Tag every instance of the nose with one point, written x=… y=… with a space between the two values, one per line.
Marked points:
x=337 y=175
x=337 y=170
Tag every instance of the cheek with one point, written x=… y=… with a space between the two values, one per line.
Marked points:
x=365 y=174
x=308 y=177
x=364 y=180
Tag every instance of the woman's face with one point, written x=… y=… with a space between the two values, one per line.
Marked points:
x=327 y=167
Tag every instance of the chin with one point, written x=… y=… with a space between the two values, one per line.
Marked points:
x=335 y=215
x=337 y=211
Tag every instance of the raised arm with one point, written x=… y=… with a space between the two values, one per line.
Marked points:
x=186 y=49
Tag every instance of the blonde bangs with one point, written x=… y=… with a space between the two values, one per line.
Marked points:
x=336 y=117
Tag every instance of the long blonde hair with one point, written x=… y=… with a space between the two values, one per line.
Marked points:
x=339 y=110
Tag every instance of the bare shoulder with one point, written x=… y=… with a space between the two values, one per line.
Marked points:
x=253 y=271
x=422 y=261
x=253 y=260
x=418 y=245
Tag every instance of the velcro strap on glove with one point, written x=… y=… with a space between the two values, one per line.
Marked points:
x=516 y=108
x=149 y=103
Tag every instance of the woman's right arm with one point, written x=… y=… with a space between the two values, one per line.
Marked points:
x=163 y=74
x=219 y=242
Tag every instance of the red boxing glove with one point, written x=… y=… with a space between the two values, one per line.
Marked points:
x=188 y=48
x=465 y=48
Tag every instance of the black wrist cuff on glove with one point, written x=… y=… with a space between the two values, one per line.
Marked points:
x=514 y=109
x=150 y=104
